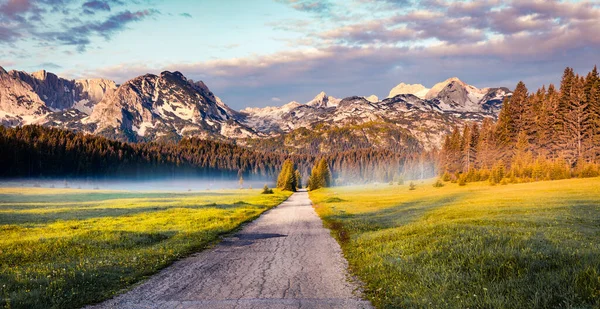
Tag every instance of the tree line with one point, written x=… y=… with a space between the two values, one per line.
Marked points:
x=549 y=134
x=36 y=151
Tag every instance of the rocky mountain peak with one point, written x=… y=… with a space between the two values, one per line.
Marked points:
x=323 y=100
x=435 y=90
x=42 y=75
x=152 y=106
x=372 y=98
x=417 y=90
x=174 y=75
x=2 y=70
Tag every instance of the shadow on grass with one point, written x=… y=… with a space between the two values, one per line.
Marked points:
x=343 y=225
x=394 y=216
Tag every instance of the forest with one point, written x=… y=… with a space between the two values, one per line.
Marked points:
x=547 y=135
x=36 y=151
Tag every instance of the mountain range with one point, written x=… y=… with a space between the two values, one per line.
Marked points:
x=169 y=106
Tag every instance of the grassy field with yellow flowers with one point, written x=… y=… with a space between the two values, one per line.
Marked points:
x=64 y=248
x=532 y=245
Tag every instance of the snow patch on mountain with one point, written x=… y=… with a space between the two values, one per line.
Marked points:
x=417 y=90
x=372 y=98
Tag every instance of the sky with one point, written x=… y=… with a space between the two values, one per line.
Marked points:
x=270 y=52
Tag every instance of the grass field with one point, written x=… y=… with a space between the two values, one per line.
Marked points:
x=67 y=248
x=534 y=245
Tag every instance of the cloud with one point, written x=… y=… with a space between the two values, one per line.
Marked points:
x=80 y=35
x=8 y=34
x=275 y=99
x=188 y=15
x=58 y=22
x=91 y=7
x=309 y=6
x=13 y=8
x=350 y=70
x=49 y=66
x=460 y=23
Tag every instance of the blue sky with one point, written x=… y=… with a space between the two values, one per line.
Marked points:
x=269 y=52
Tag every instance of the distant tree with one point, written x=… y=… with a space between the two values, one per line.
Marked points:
x=320 y=176
x=266 y=190
x=298 y=179
x=412 y=186
x=462 y=179
x=287 y=177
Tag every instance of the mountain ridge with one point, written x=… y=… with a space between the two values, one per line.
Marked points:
x=169 y=106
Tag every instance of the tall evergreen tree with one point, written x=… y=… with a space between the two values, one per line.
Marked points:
x=562 y=142
x=287 y=177
x=592 y=110
x=320 y=176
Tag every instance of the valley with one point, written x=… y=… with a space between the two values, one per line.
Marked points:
x=299 y=154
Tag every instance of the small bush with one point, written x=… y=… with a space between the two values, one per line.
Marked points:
x=400 y=180
x=266 y=190
x=438 y=184
x=446 y=177
x=412 y=186
x=462 y=180
x=334 y=200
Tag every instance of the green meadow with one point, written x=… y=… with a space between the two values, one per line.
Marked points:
x=533 y=245
x=64 y=248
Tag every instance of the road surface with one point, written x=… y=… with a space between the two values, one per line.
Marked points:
x=284 y=259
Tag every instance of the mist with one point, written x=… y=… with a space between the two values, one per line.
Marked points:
x=180 y=184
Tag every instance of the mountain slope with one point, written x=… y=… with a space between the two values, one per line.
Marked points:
x=167 y=105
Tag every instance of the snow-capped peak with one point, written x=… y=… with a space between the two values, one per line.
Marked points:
x=417 y=90
x=372 y=98
x=323 y=100
x=435 y=90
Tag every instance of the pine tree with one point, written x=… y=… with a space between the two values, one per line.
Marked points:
x=487 y=145
x=287 y=178
x=320 y=176
x=578 y=119
x=465 y=149
x=562 y=142
x=592 y=110
x=298 y=179
x=511 y=120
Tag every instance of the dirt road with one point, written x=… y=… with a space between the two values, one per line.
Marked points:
x=284 y=259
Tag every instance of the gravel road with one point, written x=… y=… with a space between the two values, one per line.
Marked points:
x=284 y=259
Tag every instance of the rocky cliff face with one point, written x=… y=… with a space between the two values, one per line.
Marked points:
x=89 y=92
x=60 y=94
x=19 y=104
x=152 y=106
x=42 y=96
